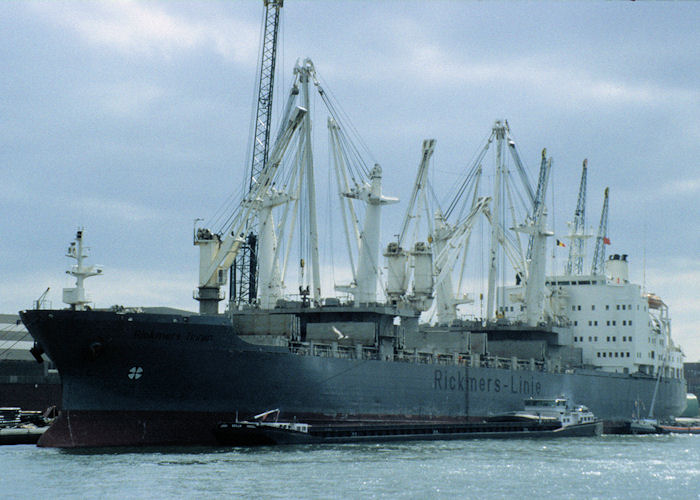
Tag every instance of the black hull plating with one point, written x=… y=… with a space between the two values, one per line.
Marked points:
x=132 y=379
x=242 y=434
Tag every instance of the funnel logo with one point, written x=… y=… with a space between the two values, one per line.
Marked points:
x=135 y=372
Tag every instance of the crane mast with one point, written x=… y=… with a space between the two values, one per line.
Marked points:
x=245 y=269
x=602 y=239
x=578 y=226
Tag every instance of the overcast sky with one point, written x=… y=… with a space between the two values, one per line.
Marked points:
x=132 y=119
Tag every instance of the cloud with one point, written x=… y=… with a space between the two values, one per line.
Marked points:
x=126 y=98
x=561 y=77
x=111 y=209
x=562 y=82
x=148 y=29
x=680 y=188
x=115 y=210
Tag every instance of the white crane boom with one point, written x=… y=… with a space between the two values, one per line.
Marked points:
x=418 y=187
x=217 y=254
x=445 y=260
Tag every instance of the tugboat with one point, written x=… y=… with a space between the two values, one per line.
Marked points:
x=555 y=410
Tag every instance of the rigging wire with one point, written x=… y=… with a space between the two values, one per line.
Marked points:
x=340 y=114
x=14 y=343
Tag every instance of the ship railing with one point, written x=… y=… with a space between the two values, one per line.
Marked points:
x=445 y=359
x=333 y=350
x=358 y=351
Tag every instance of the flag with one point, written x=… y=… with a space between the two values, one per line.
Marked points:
x=560 y=243
x=606 y=240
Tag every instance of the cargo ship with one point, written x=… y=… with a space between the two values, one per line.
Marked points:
x=133 y=376
x=392 y=346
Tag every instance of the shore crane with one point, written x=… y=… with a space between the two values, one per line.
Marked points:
x=578 y=228
x=602 y=239
x=244 y=272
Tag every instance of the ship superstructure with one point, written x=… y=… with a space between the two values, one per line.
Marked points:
x=617 y=327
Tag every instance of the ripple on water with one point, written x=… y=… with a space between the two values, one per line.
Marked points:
x=606 y=467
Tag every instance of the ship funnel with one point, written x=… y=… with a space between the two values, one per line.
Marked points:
x=617 y=269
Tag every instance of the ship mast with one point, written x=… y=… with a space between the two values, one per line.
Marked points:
x=76 y=297
x=499 y=131
x=244 y=272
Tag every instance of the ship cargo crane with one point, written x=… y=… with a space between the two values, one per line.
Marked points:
x=602 y=239
x=244 y=272
x=578 y=228
x=217 y=252
x=536 y=228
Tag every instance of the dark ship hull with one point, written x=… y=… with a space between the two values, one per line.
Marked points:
x=154 y=379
